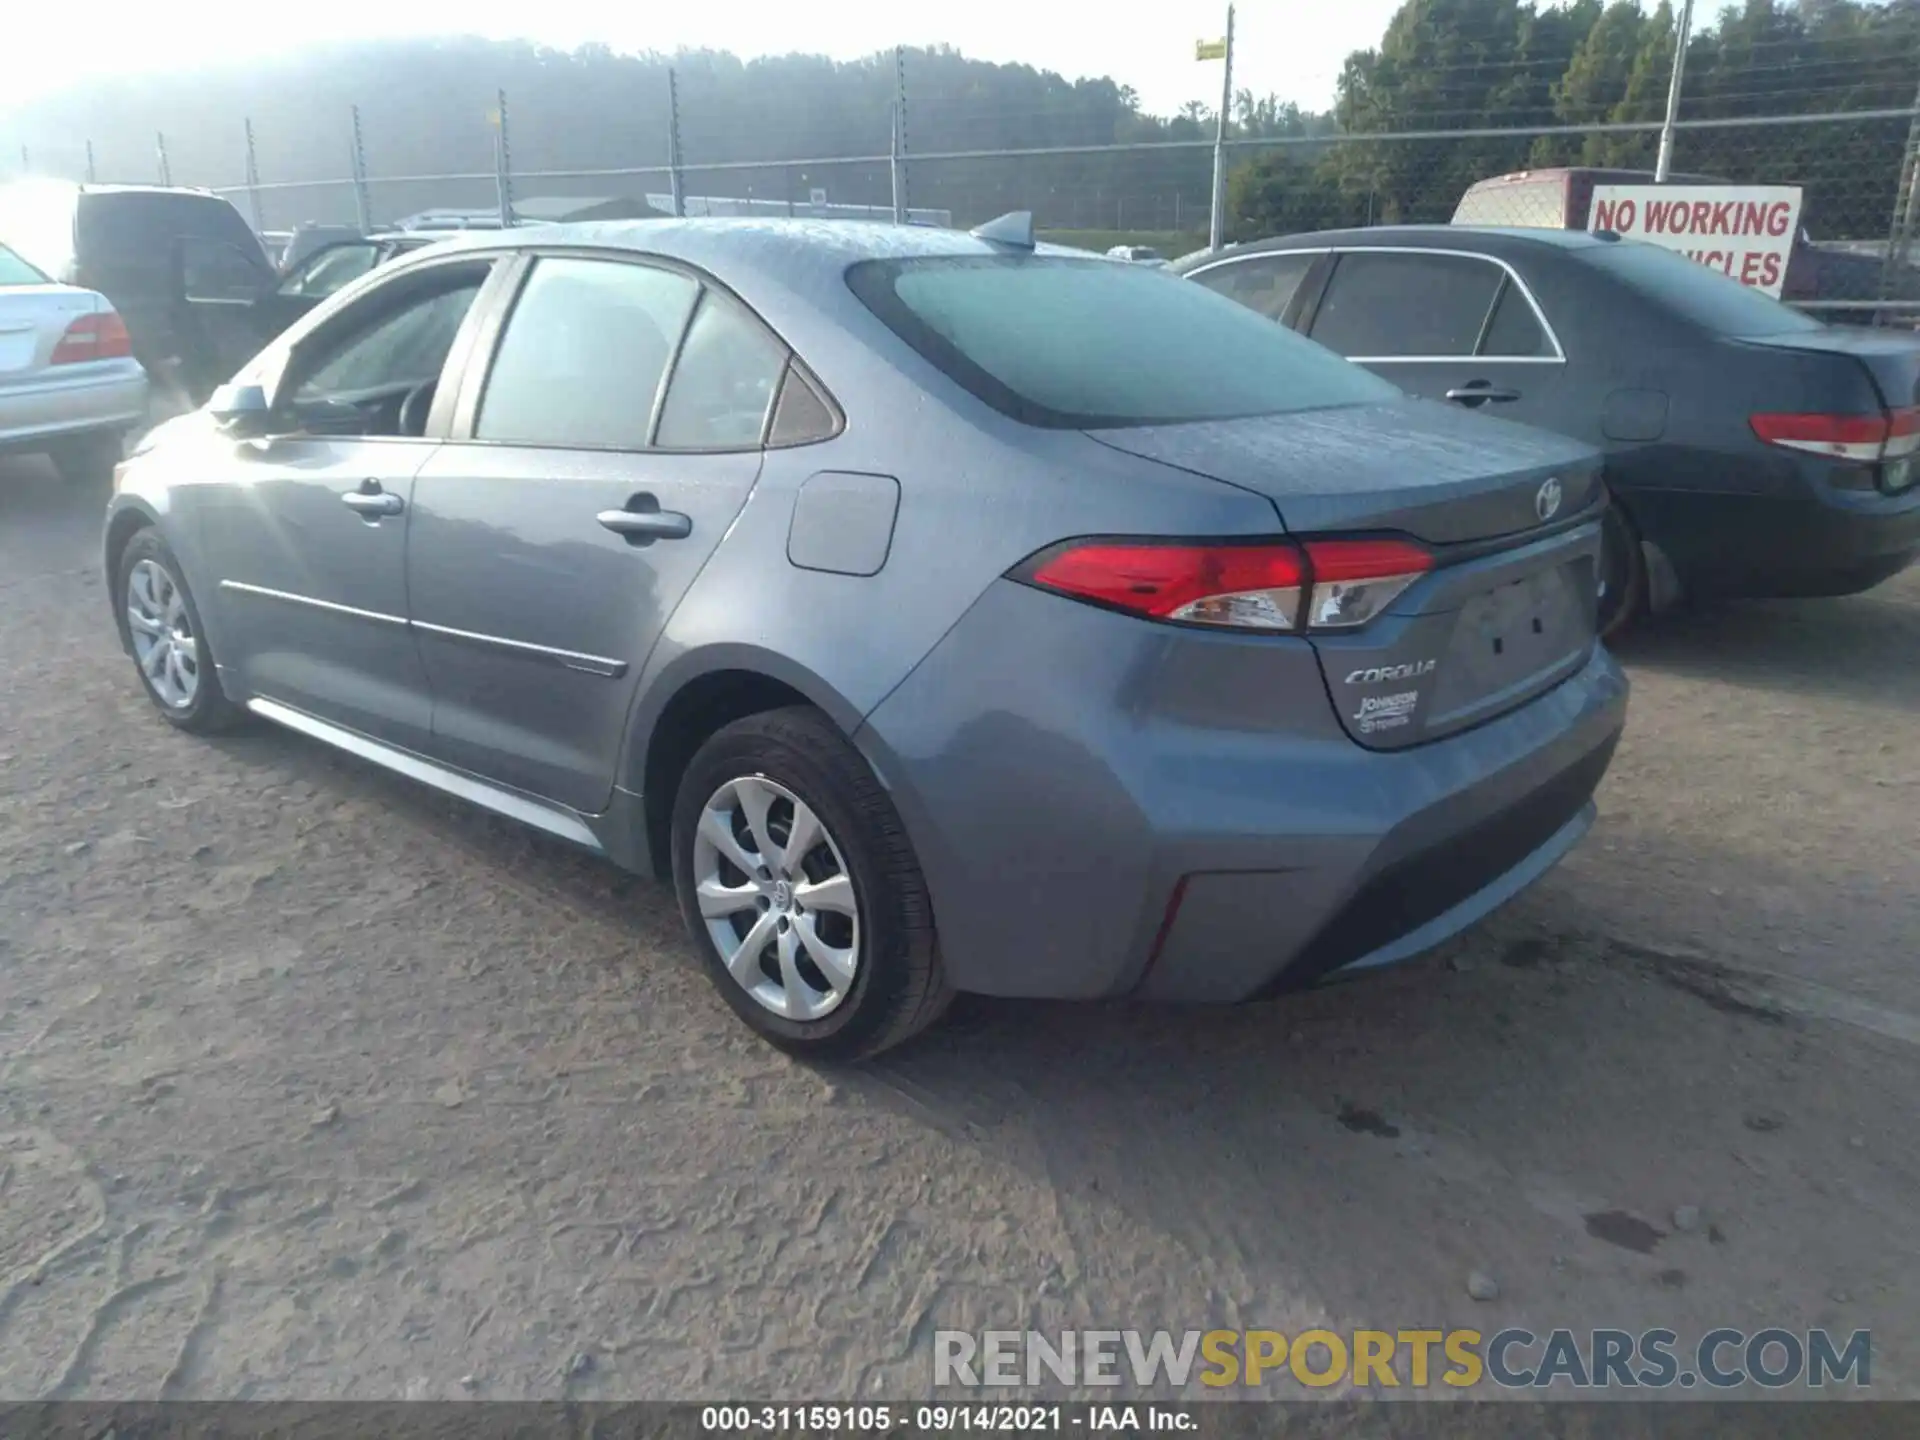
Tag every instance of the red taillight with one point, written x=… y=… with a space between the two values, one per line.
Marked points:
x=1340 y=583
x=1866 y=439
x=99 y=336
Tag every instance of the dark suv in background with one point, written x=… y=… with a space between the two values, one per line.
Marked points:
x=182 y=267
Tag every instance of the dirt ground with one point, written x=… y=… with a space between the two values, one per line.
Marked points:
x=314 y=1084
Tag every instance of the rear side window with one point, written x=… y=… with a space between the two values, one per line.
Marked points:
x=1382 y=305
x=1521 y=204
x=15 y=271
x=1265 y=284
x=1701 y=296
x=1083 y=344
x=583 y=355
x=1514 y=333
x=723 y=382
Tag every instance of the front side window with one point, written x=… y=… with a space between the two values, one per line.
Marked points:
x=1063 y=342
x=217 y=270
x=405 y=347
x=1265 y=284
x=1384 y=305
x=723 y=381
x=583 y=354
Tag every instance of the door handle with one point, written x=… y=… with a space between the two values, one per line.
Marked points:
x=1479 y=392
x=371 y=502
x=643 y=521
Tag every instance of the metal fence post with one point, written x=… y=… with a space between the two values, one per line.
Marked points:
x=897 y=144
x=502 y=161
x=362 y=202
x=1217 y=220
x=253 y=180
x=676 y=182
x=90 y=170
x=26 y=160
x=1663 y=166
x=166 y=168
x=1906 y=209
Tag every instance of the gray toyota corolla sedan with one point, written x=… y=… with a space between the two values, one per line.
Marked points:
x=940 y=612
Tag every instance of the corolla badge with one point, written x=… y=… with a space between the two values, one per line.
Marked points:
x=1546 y=502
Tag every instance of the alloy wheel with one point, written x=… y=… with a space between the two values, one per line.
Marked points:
x=164 y=645
x=776 y=898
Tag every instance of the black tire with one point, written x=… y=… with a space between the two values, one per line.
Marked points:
x=88 y=459
x=899 y=987
x=209 y=710
x=1623 y=573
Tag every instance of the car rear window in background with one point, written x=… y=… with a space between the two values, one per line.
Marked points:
x=1072 y=344
x=1705 y=297
x=15 y=271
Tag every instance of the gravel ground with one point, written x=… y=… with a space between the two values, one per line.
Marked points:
x=316 y=1085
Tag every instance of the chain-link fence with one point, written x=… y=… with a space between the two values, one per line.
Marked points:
x=1513 y=110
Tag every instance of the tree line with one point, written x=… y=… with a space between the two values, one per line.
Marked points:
x=781 y=127
x=1532 y=71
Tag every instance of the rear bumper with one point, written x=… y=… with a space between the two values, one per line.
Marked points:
x=106 y=397
x=1819 y=541
x=1179 y=815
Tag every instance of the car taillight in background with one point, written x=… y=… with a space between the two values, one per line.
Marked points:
x=99 y=336
x=1313 y=585
x=1889 y=440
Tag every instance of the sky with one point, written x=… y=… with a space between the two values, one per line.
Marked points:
x=1293 y=48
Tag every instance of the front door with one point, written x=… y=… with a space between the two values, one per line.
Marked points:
x=1448 y=326
x=306 y=530
x=581 y=493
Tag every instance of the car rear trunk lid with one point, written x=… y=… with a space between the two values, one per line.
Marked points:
x=1509 y=515
x=32 y=320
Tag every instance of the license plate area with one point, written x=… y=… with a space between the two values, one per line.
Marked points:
x=1506 y=637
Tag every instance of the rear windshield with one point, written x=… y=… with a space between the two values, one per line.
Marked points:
x=1085 y=344
x=1705 y=297
x=15 y=271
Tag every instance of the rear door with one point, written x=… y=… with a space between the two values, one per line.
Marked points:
x=595 y=465
x=1446 y=325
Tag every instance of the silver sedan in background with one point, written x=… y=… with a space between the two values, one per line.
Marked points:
x=941 y=612
x=69 y=385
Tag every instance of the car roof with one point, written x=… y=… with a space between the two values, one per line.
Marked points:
x=774 y=243
x=1492 y=239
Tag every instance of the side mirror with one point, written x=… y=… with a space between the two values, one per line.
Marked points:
x=241 y=411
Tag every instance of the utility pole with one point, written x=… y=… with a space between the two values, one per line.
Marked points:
x=1217 y=222
x=1906 y=215
x=1663 y=166
x=160 y=148
x=253 y=180
x=362 y=202
x=897 y=146
x=676 y=186
x=502 y=161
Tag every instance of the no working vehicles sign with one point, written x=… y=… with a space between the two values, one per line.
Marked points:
x=1745 y=232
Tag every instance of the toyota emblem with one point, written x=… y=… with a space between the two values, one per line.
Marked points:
x=1546 y=504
